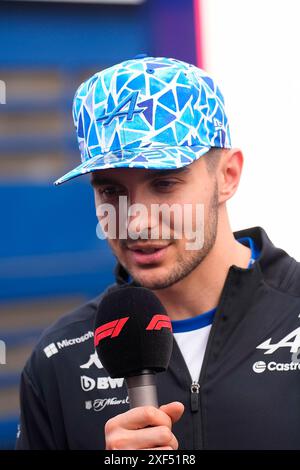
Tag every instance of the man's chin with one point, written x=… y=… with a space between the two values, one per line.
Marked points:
x=153 y=279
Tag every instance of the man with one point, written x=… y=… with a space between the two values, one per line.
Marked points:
x=155 y=131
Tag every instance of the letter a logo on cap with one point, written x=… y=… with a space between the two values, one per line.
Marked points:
x=131 y=99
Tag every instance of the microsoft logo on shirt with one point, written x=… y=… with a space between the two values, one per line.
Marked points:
x=50 y=350
x=54 y=348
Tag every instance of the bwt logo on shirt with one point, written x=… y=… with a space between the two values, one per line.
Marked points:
x=101 y=383
x=54 y=348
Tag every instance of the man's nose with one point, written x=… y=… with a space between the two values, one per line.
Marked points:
x=141 y=219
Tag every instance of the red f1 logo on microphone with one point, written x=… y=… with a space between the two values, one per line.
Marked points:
x=158 y=322
x=112 y=329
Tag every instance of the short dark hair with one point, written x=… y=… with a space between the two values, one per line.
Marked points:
x=212 y=159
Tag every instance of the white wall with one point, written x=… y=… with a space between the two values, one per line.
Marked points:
x=251 y=47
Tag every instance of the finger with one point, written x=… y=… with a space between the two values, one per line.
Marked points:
x=142 y=438
x=174 y=410
x=139 y=418
x=153 y=437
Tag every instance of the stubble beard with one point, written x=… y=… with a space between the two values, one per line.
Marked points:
x=188 y=261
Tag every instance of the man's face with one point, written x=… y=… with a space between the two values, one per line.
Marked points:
x=157 y=263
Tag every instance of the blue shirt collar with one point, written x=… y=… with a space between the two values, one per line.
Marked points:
x=206 y=318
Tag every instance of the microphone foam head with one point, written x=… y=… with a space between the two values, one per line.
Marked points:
x=132 y=332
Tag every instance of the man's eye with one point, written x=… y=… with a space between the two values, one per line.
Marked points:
x=110 y=192
x=164 y=184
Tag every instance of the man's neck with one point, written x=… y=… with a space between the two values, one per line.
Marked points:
x=200 y=291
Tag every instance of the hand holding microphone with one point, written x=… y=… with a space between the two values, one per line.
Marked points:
x=133 y=339
x=144 y=428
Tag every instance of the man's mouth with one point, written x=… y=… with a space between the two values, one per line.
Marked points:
x=147 y=254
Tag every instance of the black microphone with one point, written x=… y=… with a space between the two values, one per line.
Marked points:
x=133 y=339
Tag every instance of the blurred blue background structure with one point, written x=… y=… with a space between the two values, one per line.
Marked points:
x=50 y=257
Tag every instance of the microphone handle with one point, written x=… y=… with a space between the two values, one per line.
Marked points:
x=142 y=389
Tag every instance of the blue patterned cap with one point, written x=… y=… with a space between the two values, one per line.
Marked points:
x=151 y=112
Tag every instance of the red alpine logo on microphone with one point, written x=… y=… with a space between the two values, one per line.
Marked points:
x=112 y=329
x=158 y=322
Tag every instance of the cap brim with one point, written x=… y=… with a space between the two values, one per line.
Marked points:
x=159 y=158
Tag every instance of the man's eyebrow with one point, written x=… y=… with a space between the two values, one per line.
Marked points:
x=175 y=171
x=97 y=180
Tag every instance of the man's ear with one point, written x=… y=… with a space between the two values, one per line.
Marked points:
x=229 y=173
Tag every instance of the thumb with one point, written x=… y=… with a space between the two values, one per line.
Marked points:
x=174 y=410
